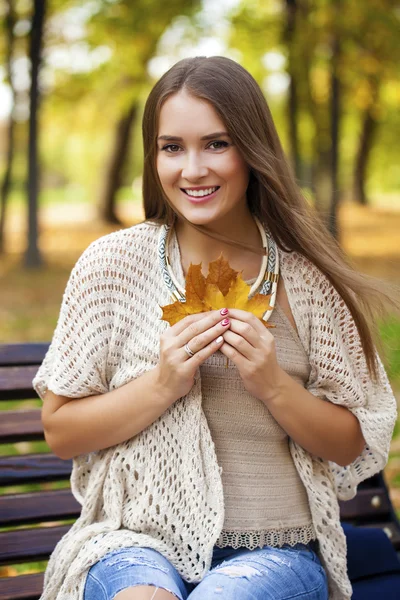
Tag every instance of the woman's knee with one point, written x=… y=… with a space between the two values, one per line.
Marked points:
x=266 y=574
x=144 y=592
x=132 y=573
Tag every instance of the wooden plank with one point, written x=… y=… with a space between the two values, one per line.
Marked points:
x=16 y=382
x=37 y=507
x=27 y=545
x=21 y=425
x=375 y=481
x=22 y=587
x=23 y=354
x=373 y=503
x=33 y=468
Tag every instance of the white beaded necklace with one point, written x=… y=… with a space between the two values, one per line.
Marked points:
x=268 y=276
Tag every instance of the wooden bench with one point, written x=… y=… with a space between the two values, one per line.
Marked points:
x=46 y=508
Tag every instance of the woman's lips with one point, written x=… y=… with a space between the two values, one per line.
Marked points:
x=200 y=200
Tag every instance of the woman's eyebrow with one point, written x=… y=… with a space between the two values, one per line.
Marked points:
x=209 y=136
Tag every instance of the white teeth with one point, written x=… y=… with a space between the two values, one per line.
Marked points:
x=200 y=193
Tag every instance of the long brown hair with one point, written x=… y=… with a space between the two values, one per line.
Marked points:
x=272 y=194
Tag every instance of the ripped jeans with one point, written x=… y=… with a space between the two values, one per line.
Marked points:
x=262 y=574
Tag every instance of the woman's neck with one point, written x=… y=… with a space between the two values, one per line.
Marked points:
x=196 y=247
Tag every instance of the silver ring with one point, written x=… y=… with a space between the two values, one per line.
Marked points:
x=189 y=351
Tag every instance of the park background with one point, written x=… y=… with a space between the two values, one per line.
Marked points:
x=74 y=76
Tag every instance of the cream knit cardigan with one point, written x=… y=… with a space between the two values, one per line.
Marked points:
x=162 y=488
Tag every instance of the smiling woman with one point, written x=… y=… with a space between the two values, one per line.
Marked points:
x=200 y=161
x=180 y=463
x=209 y=170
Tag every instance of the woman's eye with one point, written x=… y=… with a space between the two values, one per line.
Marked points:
x=168 y=147
x=224 y=144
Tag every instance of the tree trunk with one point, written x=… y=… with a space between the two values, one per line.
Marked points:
x=290 y=38
x=369 y=127
x=6 y=183
x=314 y=177
x=322 y=159
x=322 y=178
x=33 y=258
x=335 y=131
x=115 y=167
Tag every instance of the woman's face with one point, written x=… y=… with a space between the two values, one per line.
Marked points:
x=192 y=162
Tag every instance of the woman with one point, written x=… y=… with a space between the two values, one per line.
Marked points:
x=198 y=481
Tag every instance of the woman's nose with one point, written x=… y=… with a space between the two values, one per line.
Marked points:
x=193 y=167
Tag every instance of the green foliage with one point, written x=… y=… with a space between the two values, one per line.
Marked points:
x=390 y=334
x=367 y=33
x=81 y=104
x=396 y=432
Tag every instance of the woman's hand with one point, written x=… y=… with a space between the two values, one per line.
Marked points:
x=203 y=333
x=251 y=347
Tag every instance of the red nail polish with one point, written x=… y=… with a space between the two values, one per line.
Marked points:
x=224 y=311
x=225 y=322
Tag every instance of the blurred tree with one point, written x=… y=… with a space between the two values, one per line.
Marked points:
x=95 y=82
x=369 y=120
x=8 y=24
x=32 y=256
x=336 y=113
x=289 y=38
x=113 y=174
x=319 y=59
x=375 y=33
x=301 y=31
x=332 y=48
x=132 y=30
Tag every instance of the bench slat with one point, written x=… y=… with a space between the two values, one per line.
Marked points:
x=21 y=425
x=22 y=587
x=27 y=545
x=367 y=504
x=37 y=507
x=16 y=382
x=23 y=354
x=33 y=468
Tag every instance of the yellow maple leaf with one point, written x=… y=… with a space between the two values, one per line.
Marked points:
x=223 y=287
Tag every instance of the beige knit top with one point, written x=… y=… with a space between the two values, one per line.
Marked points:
x=265 y=499
x=108 y=334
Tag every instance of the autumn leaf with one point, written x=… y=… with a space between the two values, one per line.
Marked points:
x=221 y=274
x=223 y=287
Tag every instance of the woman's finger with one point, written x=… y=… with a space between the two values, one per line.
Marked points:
x=202 y=329
x=240 y=344
x=246 y=330
x=181 y=325
x=247 y=317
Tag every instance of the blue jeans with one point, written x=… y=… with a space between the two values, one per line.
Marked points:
x=262 y=574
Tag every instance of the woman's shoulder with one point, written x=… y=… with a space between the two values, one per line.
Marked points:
x=303 y=275
x=140 y=233
x=138 y=240
x=297 y=270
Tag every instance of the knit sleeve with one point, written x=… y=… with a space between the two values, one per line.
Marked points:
x=75 y=363
x=340 y=375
